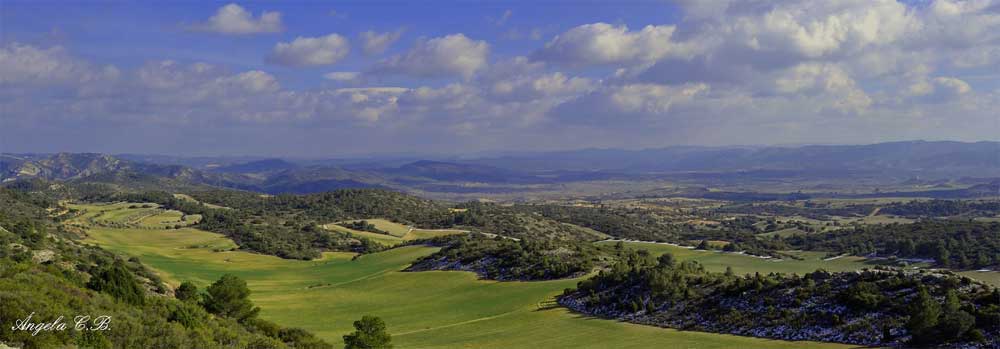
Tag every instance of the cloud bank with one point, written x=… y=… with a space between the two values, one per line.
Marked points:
x=726 y=73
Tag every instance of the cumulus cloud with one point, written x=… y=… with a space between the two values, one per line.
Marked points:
x=373 y=43
x=342 y=76
x=233 y=19
x=167 y=92
x=539 y=86
x=628 y=103
x=602 y=43
x=25 y=64
x=451 y=55
x=303 y=51
x=937 y=90
x=726 y=72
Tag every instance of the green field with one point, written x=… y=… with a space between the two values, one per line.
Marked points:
x=990 y=277
x=384 y=239
x=422 y=310
x=744 y=264
x=191 y=199
x=398 y=233
x=393 y=228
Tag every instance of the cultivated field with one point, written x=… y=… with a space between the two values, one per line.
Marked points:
x=745 y=264
x=422 y=310
x=398 y=233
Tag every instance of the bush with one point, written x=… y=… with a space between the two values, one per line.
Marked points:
x=117 y=281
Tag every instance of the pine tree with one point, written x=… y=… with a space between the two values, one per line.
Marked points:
x=924 y=315
x=187 y=291
x=369 y=334
x=229 y=297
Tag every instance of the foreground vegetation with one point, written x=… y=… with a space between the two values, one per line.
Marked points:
x=46 y=273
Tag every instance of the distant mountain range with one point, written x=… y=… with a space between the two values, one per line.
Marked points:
x=912 y=163
x=913 y=157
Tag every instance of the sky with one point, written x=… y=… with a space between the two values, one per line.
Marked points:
x=348 y=78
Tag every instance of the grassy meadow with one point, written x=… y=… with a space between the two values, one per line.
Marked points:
x=423 y=310
x=398 y=233
x=745 y=264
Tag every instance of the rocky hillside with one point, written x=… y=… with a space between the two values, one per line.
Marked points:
x=872 y=307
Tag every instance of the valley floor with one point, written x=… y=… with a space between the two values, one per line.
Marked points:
x=422 y=309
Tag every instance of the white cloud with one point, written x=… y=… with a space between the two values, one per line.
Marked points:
x=373 y=43
x=451 y=55
x=828 y=80
x=936 y=90
x=234 y=19
x=252 y=81
x=602 y=43
x=502 y=19
x=342 y=76
x=303 y=51
x=534 y=87
x=727 y=72
x=628 y=104
x=25 y=64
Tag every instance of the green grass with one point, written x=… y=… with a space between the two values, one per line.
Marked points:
x=387 y=240
x=990 y=277
x=744 y=264
x=393 y=228
x=422 y=310
x=191 y=199
x=398 y=233
x=431 y=233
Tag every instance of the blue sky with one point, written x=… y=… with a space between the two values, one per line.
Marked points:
x=131 y=33
x=303 y=78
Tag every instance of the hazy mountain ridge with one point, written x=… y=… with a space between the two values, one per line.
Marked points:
x=915 y=157
x=917 y=164
x=259 y=166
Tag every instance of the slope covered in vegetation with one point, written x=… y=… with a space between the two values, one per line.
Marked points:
x=869 y=307
x=46 y=273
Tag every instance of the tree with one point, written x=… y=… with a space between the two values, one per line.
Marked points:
x=703 y=245
x=187 y=291
x=863 y=295
x=117 y=281
x=369 y=334
x=229 y=297
x=924 y=314
x=942 y=256
x=667 y=260
x=908 y=248
x=954 y=322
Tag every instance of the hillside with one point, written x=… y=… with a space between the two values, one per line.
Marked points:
x=46 y=272
x=871 y=307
